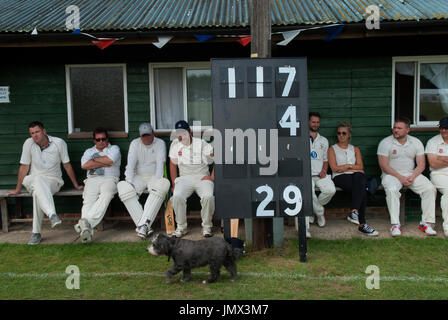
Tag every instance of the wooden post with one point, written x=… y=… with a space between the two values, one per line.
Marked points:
x=260 y=29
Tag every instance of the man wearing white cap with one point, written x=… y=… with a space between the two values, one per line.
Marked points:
x=437 y=152
x=144 y=170
x=102 y=163
x=397 y=155
x=192 y=156
x=41 y=158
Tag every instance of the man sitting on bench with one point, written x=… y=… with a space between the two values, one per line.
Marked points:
x=41 y=158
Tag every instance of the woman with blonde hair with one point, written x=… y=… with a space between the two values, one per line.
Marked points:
x=345 y=161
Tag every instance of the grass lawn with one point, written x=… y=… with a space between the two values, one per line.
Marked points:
x=409 y=269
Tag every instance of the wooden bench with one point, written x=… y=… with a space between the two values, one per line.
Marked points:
x=66 y=193
x=402 y=201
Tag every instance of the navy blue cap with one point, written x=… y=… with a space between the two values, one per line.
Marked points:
x=182 y=124
x=443 y=123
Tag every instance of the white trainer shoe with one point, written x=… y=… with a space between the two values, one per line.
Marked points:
x=308 y=234
x=179 y=233
x=311 y=219
x=321 y=222
x=427 y=228
x=395 y=231
x=207 y=232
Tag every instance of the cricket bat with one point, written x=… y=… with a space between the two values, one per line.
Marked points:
x=234 y=228
x=169 y=219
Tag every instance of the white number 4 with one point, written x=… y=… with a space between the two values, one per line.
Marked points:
x=288 y=120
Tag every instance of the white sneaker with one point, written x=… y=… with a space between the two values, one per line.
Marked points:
x=142 y=231
x=353 y=217
x=427 y=228
x=308 y=234
x=321 y=221
x=395 y=230
x=311 y=219
x=179 y=233
x=207 y=232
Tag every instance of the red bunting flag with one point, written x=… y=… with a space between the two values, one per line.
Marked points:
x=103 y=43
x=244 y=41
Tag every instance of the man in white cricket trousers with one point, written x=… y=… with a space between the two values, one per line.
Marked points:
x=397 y=155
x=319 y=169
x=102 y=163
x=192 y=156
x=144 y=170
x=437 y=152
x=41 y=158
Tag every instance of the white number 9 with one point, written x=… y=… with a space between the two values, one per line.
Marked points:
x=297 y=200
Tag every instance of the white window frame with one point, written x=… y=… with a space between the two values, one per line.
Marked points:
x=416 y=123
x=69 y=92
x=202 y=65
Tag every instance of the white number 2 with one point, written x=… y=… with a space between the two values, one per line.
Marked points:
x=288 y=120
x=261 y=212
x=291 y=71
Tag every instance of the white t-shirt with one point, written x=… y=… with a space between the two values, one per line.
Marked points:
x=112 y=152
x=47 y=161
x=436 y=145
x=344 y=156
x=145 y=160
x=401 y=156
x=193 y=159
x=319 y=151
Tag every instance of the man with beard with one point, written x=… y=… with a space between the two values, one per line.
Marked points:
x=397 y=155
x=319 y=168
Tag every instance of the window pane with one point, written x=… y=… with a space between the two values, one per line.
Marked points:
x=199 y=97
x=97 y=98
x=168 y=94
x=433 y=91
x=404 y=89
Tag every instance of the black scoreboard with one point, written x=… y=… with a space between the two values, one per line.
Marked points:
x=262 y=154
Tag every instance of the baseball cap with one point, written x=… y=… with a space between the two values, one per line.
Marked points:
x=182 y=124
x=443 y=123
x=145 y=128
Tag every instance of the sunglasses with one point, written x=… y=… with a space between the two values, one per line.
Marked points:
x=342 y=133
x=101 y=139
x=443 y=128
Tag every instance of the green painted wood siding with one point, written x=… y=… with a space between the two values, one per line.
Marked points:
x=356 y=90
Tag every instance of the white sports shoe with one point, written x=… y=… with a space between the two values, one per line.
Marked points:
x=207 y=232
x=427 y=228
x=179 y=233
x=311 y=219
x=321 y=221
x=395 y=230
x=308 y=234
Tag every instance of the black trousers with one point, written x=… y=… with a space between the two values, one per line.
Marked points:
x=356 y=184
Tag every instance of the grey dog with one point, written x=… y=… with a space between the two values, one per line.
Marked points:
x=189 y=254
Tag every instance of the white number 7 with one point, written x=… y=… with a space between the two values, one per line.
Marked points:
x=291 y=75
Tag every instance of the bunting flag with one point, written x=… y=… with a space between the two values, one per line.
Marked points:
x=203 y=37
x=163 y=40
x=101 y=43
x=34 y=32
x=288 y=36
x=333 y=31
x=244 y=40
